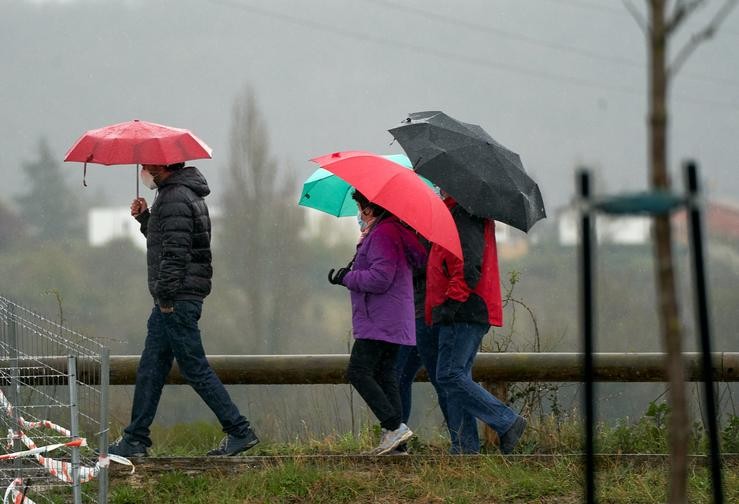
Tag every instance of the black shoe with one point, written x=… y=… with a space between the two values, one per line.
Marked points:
x=126 y=448
x=509 y=440
x=233 y=445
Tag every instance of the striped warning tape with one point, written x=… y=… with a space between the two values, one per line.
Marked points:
x=16 y=494
x=62 y=469
x=57 y=468
x=24 y=424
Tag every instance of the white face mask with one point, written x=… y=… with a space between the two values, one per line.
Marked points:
x=147 y=179
x=360 y=221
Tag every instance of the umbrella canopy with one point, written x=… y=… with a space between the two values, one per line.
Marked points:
x=138 y=142
x=483 y=176
x=398 y=190
x=326 y=192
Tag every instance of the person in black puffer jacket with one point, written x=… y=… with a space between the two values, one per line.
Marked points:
x=177 y=230
x=178 y=239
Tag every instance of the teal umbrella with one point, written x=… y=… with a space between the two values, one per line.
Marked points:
x=326 y=192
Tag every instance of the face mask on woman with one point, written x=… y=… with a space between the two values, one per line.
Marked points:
x=360 y=221
x=147 y=179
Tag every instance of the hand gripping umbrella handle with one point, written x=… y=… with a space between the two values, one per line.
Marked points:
x=331 y=276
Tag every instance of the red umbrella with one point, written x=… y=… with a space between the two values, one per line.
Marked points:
x=137 y=142
x=398 y=190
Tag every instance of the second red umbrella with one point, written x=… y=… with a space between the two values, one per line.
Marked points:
x=398 y=190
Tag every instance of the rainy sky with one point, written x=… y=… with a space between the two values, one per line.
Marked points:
x=562 y=82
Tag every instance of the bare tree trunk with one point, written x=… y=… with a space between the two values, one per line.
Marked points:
x=262 y=231
x=666 y=289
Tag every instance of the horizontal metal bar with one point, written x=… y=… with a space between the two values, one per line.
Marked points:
x=331 y=368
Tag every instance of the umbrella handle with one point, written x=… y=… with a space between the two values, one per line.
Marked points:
x=137 y=181
x=84 y=170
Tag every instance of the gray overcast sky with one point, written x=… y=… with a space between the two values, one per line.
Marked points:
x=562 y=82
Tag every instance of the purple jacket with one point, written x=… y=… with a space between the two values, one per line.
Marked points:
x=381 y=283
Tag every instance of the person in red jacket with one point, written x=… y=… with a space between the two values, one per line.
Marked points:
x=463 y=300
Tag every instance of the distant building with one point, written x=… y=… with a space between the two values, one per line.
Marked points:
x=105 y=224
x=615 y=230
x=511 y=242
x=331 y=230
x=721 y=219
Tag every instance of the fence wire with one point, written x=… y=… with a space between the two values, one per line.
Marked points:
x=50 y=380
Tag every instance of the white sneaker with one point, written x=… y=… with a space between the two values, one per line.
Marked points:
x=391 y=439
x=373 y=451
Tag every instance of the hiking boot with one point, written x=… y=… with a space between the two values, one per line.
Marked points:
x=392 y=438
x=126 y=448
x=509 y=440
x=233 y=445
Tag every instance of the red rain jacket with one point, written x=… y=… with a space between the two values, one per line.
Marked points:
x=469 y=290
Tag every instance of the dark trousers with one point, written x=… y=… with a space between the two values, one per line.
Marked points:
x=372 y=372
x=177 y=336
x=407 y=366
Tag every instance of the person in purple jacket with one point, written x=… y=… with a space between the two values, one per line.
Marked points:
x=380 y=281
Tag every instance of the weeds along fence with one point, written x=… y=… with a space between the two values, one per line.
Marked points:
x=54 y=401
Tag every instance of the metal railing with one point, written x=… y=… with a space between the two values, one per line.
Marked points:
x=489 y=367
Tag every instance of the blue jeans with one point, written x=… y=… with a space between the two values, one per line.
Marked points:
x=177 y=336
x=406 y=368
x=458 y=346
x=465 y=439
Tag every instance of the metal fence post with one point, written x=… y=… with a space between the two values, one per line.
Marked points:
x=74 y=426
x=14 y=392
x=704 y=322
x=587 y=324
x=104 y=402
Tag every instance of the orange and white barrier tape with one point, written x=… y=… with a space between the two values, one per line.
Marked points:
x=63 y=470
x=60 y=469
x=43 y=449
x=16 y=494
x=24 y=424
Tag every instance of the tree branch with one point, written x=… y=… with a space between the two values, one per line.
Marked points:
x=701 y=36
x=682 y=10
x=638 y=17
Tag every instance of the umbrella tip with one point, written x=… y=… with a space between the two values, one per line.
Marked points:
x=336 y=154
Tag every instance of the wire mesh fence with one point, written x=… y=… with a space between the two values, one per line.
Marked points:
x=54 y=395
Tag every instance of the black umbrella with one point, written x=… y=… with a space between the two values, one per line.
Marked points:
x=487 y=179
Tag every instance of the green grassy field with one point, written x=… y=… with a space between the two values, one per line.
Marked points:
x=432 y=477
x=453 y=480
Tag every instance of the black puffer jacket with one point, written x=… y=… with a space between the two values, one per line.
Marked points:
x=177 y=231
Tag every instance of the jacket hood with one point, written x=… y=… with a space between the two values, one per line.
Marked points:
x=190 y=177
